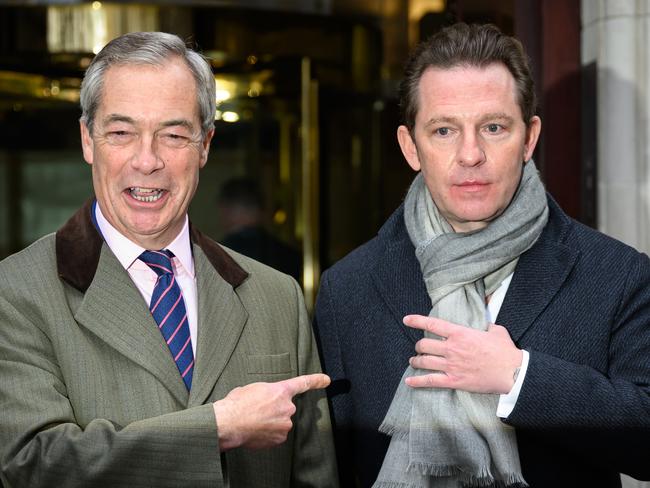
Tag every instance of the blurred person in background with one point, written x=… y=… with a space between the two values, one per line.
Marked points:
x=241 y=215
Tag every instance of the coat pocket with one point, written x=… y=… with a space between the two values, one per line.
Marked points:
x=270 y=364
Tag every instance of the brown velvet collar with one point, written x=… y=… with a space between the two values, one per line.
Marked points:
x=79 y=244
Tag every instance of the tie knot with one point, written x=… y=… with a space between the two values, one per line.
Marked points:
x=159 y=261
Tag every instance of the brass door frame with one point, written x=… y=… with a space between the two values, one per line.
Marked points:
x=310 y=183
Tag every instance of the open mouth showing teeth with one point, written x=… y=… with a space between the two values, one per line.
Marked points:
x=146 y=194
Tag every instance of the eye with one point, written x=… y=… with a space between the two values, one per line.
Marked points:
x=174 y=140
x=119 y=137
x=442 y=131
x=494 y=128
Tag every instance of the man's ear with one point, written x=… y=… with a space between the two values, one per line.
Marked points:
x=409 y=149
x=532 y=136
x=205 y=148
x=87 y=144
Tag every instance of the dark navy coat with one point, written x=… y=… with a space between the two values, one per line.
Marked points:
x=579 y=302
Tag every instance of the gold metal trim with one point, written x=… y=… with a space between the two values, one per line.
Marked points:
x=310 y=183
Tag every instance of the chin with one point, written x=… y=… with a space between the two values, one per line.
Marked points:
x=476 y=220
x=144 y=229
x=478 y=215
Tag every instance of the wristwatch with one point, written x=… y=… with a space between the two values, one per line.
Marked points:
x=515 y=375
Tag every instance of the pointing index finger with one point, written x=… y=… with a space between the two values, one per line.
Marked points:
x=304 y=383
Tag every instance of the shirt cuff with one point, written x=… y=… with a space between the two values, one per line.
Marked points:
x=507 y=402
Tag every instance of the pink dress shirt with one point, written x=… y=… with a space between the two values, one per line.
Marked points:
x=127 y=253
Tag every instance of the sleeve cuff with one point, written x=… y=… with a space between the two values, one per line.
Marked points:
x=508 y=401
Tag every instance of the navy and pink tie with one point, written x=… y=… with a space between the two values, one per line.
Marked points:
x=168 y=310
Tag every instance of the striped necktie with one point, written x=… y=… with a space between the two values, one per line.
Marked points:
x=168 y=310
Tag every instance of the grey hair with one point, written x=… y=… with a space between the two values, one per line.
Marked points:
x=152 y=48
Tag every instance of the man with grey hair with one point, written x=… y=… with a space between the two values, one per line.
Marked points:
x=426 y=390
x=135 y=351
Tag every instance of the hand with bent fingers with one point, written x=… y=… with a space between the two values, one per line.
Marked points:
x=465 y=359
x=258 y=415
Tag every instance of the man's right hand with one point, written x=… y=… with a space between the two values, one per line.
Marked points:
x=258 y=415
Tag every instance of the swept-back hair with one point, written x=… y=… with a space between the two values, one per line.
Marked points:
x=472 y=46
x=147 y=48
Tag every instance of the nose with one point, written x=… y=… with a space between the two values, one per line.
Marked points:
x=470 y=152
x=146 y=159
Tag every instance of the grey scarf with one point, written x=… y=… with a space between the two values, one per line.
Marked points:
x=448 y=438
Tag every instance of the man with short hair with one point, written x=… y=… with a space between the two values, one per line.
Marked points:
x=556 y=395
x=240 y=207
x=135 y=351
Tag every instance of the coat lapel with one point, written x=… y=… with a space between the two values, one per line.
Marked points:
x=540 y=273
x=113 y=309
x=222 y=317
x=397 y=275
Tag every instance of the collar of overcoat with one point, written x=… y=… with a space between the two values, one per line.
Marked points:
x=538 y=277
x=112 y=308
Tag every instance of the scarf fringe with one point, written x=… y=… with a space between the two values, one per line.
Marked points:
x=439 y=470
x=393 y=431
x=482 y=479
x=394 y=484
x=496 y=484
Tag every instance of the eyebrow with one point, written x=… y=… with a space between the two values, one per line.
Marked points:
x=438 y=120
x=118 y=118
x=497 y=116
x=453 y=120
x=178 y=122
x=130 y=120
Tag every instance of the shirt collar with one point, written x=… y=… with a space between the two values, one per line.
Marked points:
x=127 y=251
